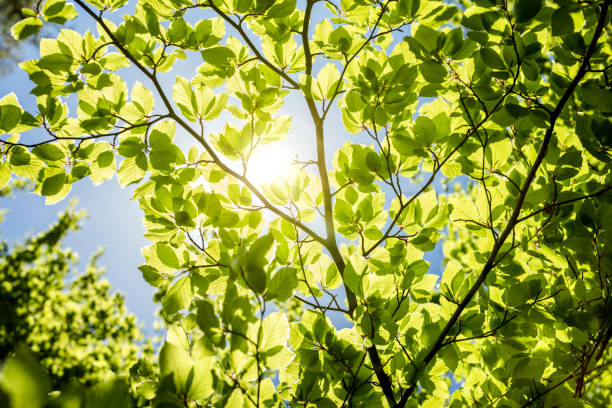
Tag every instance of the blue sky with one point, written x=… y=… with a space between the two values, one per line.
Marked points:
x=114 y=221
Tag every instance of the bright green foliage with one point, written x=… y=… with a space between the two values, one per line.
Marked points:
x=506 y=103
x=73 y=324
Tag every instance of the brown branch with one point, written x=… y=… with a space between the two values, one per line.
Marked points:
x=320 y=308
x=483 y=335
x=383 y=378
x=352 y=389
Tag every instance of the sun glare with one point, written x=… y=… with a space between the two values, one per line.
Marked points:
x=269 y=163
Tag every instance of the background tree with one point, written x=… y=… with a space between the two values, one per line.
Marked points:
x=507 y=101
x=74 y=325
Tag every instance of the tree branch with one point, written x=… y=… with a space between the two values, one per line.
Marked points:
x=383 y=379
x=557 y=204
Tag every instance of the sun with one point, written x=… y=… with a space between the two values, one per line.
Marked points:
x=270 y=163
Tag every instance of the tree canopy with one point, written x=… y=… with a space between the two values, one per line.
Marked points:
x=72 y=323
x=481 y=126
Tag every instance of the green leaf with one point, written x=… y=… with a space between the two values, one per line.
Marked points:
x=132 y=169
x=259 y=248
x=283 y=283
x=453 y=42
x=56 y=63
x=60 y=15
x=26 y=27
x=430 y=334
x=433 y=72
x=561 y=22
x=352 y=279
x=450 y=357
x=564 y=300
x=113 y=392
x=178 y=296
x=427 y=37
x=52 y=7
x=167 y=256
x=209 y=106
x=222 y=58
x=200 y=386
x=143 y=98
x=341 y=39
x=161 y=142
x=425 y=240
x=206 y=317
x=5 y=174
x=353 y=101
x=256 y=278
x=10 y=113
x=596 y=96
x=209 y=31
x=525 y=10
x=184 y=219
x=275 y=332
x=24 y=380
x=54 y=184
x=519 y=294
x=177 y=30
x=163 y=159
x=175 y=361
x=410 y=7
x=529 y=368
x=131 y=146
x=489 y=354
x=49 y=152
x=343 y=212
x=151 y=275
x=184 y=98
x=492 y=58
x=151 y=20
x=327 y=80
x=236 y=400
x=105 y=159
x=425 y=130
x=282 y=8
